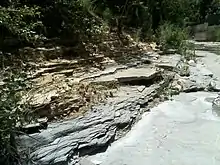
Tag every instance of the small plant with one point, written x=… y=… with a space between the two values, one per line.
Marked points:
x=136 y=36
x=187 y=50
x=174 y=37
x=171 y=36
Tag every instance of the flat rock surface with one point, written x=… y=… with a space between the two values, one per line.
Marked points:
x=130 y=74
x=168 y=61
x=136 y=74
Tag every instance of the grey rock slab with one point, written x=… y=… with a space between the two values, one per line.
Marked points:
x=111 y=70
x=130 y=74
x=183 y=131
x=205 y=74
x=141 y=88
x=136 y=74
x=168 y=61
x=89 y=133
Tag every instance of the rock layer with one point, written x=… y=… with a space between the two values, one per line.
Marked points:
x=64 y=142
x=90 y=133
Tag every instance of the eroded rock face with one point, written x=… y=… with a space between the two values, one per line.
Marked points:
x=90 y=133
x=64 y=142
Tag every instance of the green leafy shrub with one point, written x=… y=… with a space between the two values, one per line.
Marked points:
x=12 y=114
x=30 y=22
x=21 y=23
x=171 y=36
x=78 y=20
x=67 y=19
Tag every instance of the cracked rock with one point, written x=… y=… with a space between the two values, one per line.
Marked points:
x=87 y=134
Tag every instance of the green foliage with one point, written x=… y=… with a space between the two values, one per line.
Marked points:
x=78 y=20
x=176 y=11
x=30 y=22
x=67 y=19
x=148 y=15
x=171 y=36
x=12 y=113
x=21 y=22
